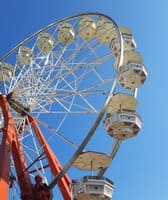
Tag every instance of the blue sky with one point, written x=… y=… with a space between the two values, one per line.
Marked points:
x=139 y=169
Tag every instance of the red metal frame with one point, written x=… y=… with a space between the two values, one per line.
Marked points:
x=55 y=166
x=10 y=146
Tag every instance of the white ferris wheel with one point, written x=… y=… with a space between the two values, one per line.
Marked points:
x=57 y=86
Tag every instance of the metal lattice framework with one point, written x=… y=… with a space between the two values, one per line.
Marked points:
x=59 y=83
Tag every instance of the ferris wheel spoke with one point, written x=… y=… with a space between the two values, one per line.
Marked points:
x=74 y=90
x=64 y=91
x=67 y=75
x=62 y=95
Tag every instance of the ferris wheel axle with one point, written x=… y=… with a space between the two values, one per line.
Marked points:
x=17 y=106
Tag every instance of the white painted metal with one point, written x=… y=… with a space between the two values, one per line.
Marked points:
x=92 y=188
x=57 y=81
x=122 y=125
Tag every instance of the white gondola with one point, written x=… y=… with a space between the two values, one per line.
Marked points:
x=6 y=71
x=128 y=38
x=25 y=55
x=132 y=56
x=66 y=33
x=45 y=42
x=122 y=125
x=87 y=28
x=121 y=101
x=92 y=188
x=91 y=160
x=128 y=41
x=132 y=73
x=105 y=31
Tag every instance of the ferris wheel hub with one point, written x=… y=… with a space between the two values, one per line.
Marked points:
x=17 y=106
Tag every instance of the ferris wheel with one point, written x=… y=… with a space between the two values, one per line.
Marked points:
x=57 y=86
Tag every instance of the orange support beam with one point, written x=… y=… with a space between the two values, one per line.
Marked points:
x=55 y=166
x=4 y=167
x=10 y=144
x=5 y=150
